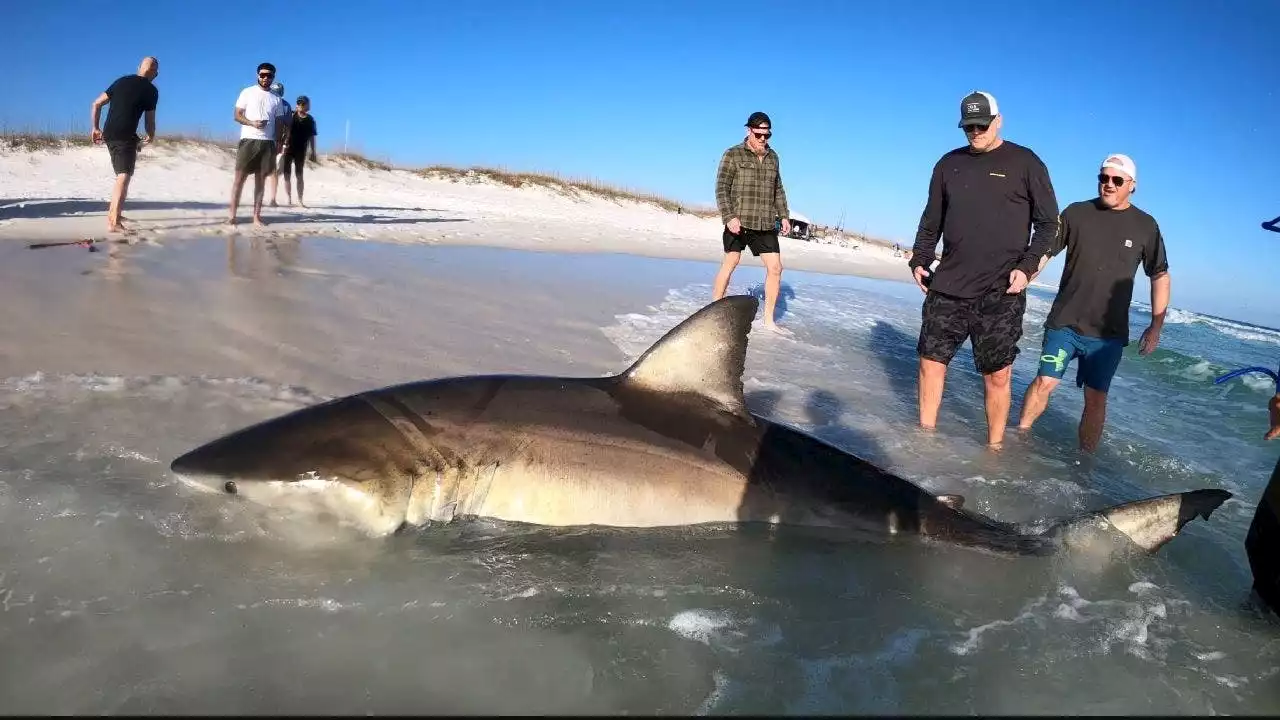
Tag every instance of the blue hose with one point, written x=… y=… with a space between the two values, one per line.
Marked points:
x=1245 y=371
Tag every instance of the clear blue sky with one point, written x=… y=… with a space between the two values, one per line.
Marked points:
x=864 y=97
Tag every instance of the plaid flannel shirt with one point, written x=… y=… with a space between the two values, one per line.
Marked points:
x=749 y=187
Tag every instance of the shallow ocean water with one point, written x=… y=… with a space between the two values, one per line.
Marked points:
x=123 y=591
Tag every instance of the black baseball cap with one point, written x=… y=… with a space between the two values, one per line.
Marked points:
x=978 y=108
x=757 y=119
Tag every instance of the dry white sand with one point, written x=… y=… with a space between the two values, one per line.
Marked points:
x=183 y=190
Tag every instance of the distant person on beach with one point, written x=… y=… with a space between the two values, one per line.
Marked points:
x=301 y=139
x=751 y=198
x=261 y=117
x=1106 y=238
x=984 y=199
x=130 y=97
x=277 y=89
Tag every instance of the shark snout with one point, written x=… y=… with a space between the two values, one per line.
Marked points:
x=202 y=470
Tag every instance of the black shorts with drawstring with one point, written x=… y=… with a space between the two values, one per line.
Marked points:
x=760 y=241
x=993 y=322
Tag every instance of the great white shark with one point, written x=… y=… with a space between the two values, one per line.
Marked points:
x=668 y=442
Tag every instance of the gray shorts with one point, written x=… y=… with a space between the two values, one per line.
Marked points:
x=256 y=156
x=124 y=155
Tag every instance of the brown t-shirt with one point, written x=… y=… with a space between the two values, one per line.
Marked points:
x=1104 y=248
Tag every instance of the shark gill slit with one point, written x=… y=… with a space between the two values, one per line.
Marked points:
x=415 y=430
x=465 y=494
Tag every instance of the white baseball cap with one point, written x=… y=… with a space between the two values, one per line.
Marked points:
x=1123 y=163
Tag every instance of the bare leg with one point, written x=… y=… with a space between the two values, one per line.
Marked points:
x=727 y=267
x=1092 y=419
x=933 y=378
x=118 y=195
x=1036 y=400
x=237 y=187
x=288 y=194
x=259 y=183
x=772 y=285
x=998 y=395
x=274 y=180
x=299 y=172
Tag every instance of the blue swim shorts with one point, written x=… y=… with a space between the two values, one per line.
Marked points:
x=1098 y=358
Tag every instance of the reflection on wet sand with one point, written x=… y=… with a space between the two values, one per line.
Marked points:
x=256 y=262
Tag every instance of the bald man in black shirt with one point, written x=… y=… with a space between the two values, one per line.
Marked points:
x=130 y=98
x=1106 y=239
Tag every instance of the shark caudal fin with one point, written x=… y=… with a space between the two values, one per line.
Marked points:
x=703 y=356
x=1145 y=524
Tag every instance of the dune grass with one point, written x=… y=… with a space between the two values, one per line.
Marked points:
x=38 y=140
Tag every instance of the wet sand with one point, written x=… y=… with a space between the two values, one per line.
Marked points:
x=330 y=314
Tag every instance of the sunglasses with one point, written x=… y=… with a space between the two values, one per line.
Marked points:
x=762 y=135
x=1116 y=180
x=976 y=129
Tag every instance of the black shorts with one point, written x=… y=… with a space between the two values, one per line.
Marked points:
x=993 y=322
x=760 y=241
x=124 y=155
x=256 y=156
x=291 y=160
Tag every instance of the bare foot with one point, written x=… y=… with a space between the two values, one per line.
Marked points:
x=771 y=327
x=302 y=204
x=257 y=222
x=273 y=204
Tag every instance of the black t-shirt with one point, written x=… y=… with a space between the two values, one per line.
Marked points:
x=985 y=206
x=1104 y=248
x=131 y=96
x=301 y=130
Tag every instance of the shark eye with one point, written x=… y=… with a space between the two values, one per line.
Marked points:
x=230 y=487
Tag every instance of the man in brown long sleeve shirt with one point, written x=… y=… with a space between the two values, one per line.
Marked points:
x=751 y=199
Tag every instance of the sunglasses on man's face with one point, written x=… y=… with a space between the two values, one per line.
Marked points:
x=976 y=129
x=765 y=135
x=1116 y=180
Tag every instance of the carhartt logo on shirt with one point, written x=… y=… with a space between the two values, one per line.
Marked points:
x=1128 y=242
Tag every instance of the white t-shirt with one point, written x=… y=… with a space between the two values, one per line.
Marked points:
x=258 y=104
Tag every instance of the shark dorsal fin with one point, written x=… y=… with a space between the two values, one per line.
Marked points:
x=703 y=356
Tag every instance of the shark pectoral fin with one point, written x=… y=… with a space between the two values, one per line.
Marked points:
x=955 y=502
x=703 y=356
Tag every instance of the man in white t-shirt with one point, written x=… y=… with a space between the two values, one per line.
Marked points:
x=261 y=117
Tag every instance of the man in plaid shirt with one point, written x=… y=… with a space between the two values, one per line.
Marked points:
x=751 y=199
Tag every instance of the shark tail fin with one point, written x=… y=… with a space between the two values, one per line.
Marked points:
x=1148 y=524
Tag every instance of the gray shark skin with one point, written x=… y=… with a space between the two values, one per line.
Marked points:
x=668 y=442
